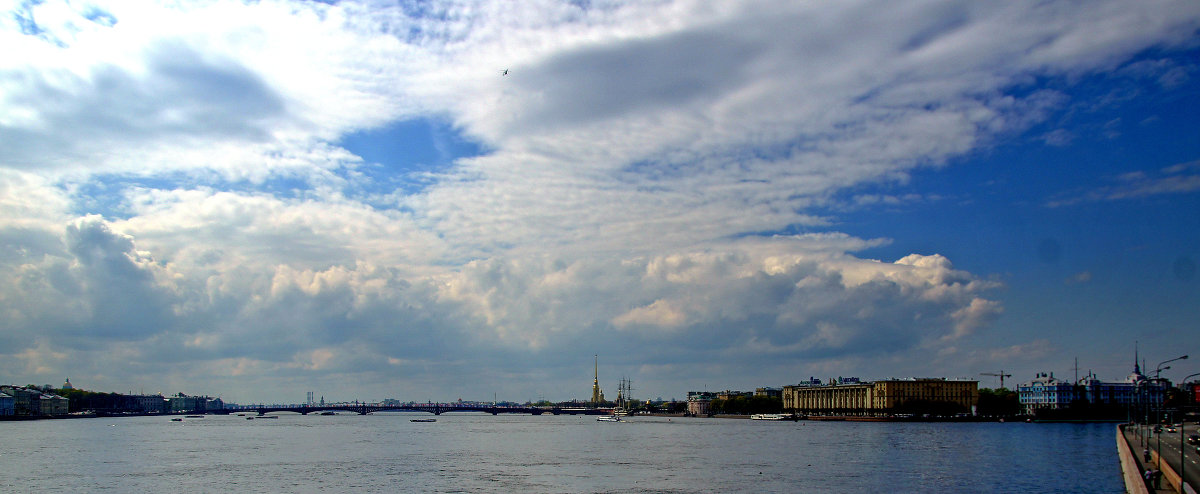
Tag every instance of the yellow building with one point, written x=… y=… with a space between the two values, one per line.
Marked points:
x=936 y=396
x=899 y=394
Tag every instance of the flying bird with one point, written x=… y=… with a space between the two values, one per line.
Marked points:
x=505 y=72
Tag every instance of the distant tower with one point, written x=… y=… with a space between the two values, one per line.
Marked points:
x=1136 y=369
x=597 y=396
x=67 y=385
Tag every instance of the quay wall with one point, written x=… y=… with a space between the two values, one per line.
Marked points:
x=1168 y=474
x=1129 y=465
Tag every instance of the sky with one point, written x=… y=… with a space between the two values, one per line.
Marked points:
x=445 y=199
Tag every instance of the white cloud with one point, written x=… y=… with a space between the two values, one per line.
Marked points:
x=1182 y=178
x=788 y=297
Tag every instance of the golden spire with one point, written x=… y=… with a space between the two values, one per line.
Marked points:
x=596 y=396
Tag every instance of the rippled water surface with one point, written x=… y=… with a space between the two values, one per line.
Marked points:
x=519 y=453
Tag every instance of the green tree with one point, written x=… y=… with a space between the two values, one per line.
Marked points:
x=999 y=402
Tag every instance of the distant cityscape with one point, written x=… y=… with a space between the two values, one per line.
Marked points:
x=1044 y=397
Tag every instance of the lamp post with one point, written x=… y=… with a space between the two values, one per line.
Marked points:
x=1157 y=407
x=1158 y=381
x=1182 y=444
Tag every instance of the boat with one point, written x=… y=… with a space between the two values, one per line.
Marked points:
x=328 y=413
x=268 y=417
x=195 y=416
x=769 y=416
x=249 y=418
x=176 y=420
x=620 y=411
x=423 y=420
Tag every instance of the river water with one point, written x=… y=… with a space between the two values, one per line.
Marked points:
x=464 y=452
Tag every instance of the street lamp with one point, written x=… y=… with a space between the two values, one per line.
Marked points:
x=1182 y=447
x=1155 y=406
x=1162 y=366
x=1158 y=381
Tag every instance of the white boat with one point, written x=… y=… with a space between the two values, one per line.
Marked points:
x=608 y=418
x=423 y=420
x=769 y=416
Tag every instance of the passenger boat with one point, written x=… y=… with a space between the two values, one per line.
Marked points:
x=423 y=420
x=609 y=418
x=176 y=420
x=769 y=416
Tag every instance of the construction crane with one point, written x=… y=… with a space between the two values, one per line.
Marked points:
x=1000 y=374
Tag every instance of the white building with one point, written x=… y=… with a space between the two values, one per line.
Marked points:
x=8 y=405
x=1047 y=392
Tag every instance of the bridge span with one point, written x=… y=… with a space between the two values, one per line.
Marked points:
x=365 y=408
x=434 y=408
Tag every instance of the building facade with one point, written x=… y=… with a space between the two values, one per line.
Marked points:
x=853 y=397
x=898 y=395
x=8 y=405
x=769 y=392
x=151 y=403
x=24 y=400
x=1045 y=392
x=833 y=399
x=52 y=404
x=33 y=401
x=182 y=403
x=698 y=403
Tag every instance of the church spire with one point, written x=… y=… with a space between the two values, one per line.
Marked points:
x=597 y=397
x=1136 y=369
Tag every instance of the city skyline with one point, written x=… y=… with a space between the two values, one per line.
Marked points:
x=455 y=199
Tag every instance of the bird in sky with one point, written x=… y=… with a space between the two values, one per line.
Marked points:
x=505 y=72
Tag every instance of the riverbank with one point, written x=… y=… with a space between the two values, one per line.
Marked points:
x=20 y=418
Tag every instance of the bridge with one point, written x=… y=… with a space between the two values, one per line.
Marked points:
x=365 y=408
x=434 y=408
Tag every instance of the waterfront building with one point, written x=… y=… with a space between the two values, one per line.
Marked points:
x=1045 y=392
x=698 y=402
x=151 y=403
x=182 y=403
x=769 y=392
x=831 y=399
x=1095 y=391
x=24 y=400
x=900 y=394
x=730 y=394
x=8 y=405
x=850 y=396
x=52 y=404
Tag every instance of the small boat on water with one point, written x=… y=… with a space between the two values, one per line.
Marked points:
x=609 y=418
x=249 y=418
x=195 y=416
x=423 y=420
x=176 y=420
x=268 y=417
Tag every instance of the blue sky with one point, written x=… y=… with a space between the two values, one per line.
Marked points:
x=261 y=199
